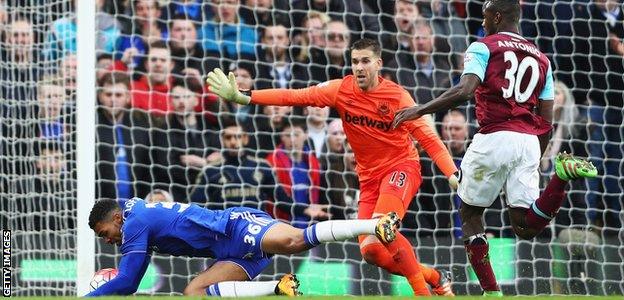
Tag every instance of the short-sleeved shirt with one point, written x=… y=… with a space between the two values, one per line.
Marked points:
x=174 y=228
x=514 y=76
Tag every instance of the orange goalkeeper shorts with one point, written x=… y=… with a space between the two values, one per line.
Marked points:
x=401 y=182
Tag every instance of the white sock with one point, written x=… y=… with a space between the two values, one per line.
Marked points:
x=242 y=288
x=333 y=231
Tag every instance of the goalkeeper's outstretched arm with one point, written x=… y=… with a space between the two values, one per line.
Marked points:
x=132 y=267
x=323 y=94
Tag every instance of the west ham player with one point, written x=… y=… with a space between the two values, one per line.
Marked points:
x=513 y=85
x=242 y=240
x=387 y=162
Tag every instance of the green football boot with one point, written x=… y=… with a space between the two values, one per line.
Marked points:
x=492 y=294
x=568 y=167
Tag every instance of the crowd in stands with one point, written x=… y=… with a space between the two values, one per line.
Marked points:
x=159 y=127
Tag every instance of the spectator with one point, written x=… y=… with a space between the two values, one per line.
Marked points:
x=333 y=64
x=69 y=71
x=51 y=165
x=432 y=72
x=122 y=157
x=355 y=14
x=474 y=16
x=576 y=241
x=20 y=63
x=151 y=91
x=49 y=196
x=51 y=97
x=186 y=51
x=298 y=170
x=108 y=29
x=268 y=124
x=3 y=16
x=240 y=180
x=19 y=72
x=103 y=64
x=605 y=111
x=193 y=10
x=186 y=142
x=242 y=113
x=446 y=23
x=538 y=23
x=406 y=12
x=613 y=11
x=225 y=35
x=316 y=121
x=266 y=12
x=142 y=26
x=455 y=135
x=158 y=196
x=615 y=16
x=339 y=183
x=61 y=38
x=569 y=128
x=275 y=69
x=311 y=41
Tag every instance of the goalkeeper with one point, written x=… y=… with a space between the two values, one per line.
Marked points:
x=242 y=240
x=387 y=161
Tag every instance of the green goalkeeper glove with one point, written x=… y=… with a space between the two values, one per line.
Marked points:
x=225 y=87
x=454 y=180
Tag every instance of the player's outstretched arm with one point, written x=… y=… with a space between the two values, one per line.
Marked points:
x=321 y=95
x=132 y=267
x=456 y=95
x=226 y=87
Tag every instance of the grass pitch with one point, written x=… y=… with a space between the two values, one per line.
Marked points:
x=543 y=297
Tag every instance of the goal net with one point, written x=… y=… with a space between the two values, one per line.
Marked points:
x=37 y=182
x=160 y=132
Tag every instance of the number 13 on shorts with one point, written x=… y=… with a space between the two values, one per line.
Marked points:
x=398 y=178
x=402 y=182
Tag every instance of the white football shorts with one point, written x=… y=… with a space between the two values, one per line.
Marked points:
x=502 y=159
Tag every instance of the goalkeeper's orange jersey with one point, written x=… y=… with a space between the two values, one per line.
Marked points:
x=367 y=118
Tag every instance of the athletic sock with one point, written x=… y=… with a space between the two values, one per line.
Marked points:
x=340 y=230
x=404 y=257
x=547 y=205
x=242 y=288
x=431 y=275
x=477 y=249
x=379 y=256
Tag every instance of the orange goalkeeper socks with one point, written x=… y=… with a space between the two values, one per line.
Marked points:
x=432 y=277
x=404 y=256
x=377 y=254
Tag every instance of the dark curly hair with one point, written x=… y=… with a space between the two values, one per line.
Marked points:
x=101 y=211
x=509 y=8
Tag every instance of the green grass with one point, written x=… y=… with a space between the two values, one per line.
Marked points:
x=349 y=297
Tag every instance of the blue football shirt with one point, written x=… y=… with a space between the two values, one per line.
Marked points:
x=174 y=228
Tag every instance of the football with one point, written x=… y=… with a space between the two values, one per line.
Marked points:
x=101 y=277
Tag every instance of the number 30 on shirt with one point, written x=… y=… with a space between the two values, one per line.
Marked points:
x=515 y=75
